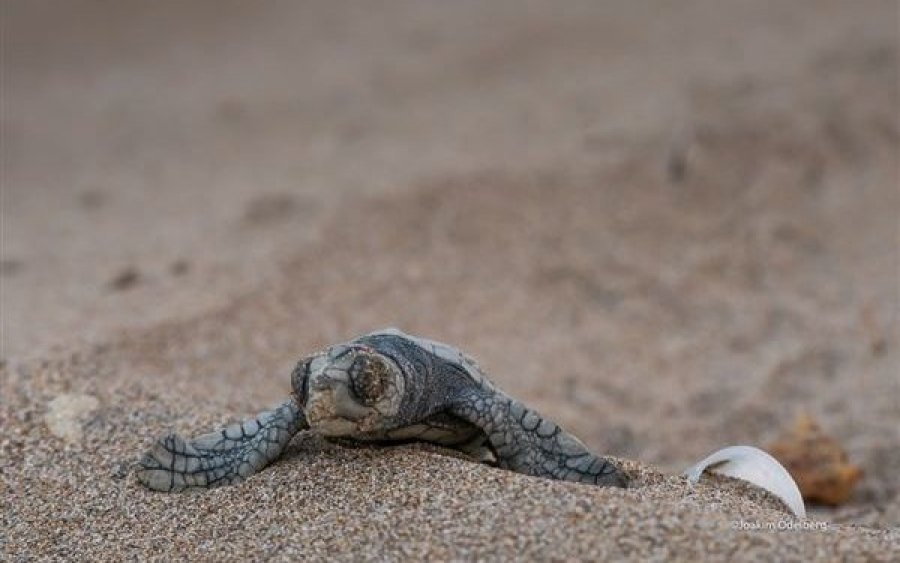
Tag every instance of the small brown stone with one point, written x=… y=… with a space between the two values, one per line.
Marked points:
x=125 y=279
x=817 y=462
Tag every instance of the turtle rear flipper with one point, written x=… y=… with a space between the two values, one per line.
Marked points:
x=525 y=442
x=223 y=457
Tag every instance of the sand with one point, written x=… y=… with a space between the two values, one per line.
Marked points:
x=668 y=228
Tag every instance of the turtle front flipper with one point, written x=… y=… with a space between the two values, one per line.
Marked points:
x=525 y=442
x=223 y=457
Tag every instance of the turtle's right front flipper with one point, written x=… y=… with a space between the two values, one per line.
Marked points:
x=223 y=457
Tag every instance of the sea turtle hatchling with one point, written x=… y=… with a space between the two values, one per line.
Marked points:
x=384 y=387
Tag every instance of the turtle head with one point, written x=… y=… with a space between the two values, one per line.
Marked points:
x=348 y=390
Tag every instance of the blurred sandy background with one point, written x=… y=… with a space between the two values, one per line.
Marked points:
x=668 y=226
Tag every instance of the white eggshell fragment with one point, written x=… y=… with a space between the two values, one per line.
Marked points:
x=756 y=466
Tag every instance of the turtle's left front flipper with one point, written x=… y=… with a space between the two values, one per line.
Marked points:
x=526 y=442
x=223 y=457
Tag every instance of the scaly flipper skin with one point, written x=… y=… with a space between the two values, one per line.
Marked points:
x=525 y=442
x=223 y=457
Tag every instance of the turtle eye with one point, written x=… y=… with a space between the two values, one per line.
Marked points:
x=300 y=378
x=369 y=378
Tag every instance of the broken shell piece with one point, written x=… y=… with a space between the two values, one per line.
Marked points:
x=755 y=466
x=66 y=414
x=817 y=461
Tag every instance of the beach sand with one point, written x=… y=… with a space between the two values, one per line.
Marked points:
x=667 y=227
